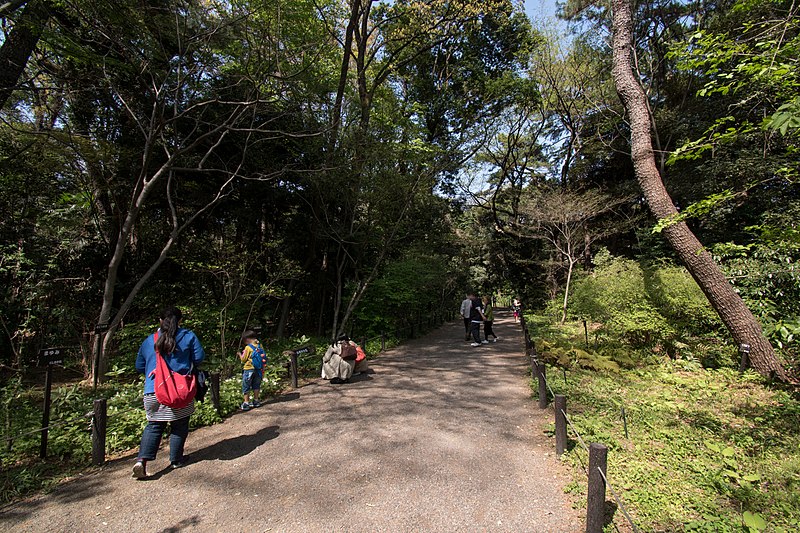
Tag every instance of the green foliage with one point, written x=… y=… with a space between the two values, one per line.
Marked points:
x=786 y=117
x=409 y=288
x=764 y=272
x=696 y=210
x=677 y=296
x=644 y=306
x=708 y=450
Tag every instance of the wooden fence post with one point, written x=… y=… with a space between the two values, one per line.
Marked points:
x=560 y=402
x=48 y=385
x=596 y=494
x=215 y=392
x=99 y=424
x=293 y=368
x=540 y=373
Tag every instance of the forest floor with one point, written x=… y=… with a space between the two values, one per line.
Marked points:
x=440 y=436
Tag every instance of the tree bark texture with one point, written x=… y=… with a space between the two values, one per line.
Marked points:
x=736 y=316
x=19 y=46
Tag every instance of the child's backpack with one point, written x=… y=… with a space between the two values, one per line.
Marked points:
x=258 y=357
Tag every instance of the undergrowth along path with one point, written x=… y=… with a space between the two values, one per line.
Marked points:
x=441 y=436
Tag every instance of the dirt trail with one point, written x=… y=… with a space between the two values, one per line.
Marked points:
x=441 y=437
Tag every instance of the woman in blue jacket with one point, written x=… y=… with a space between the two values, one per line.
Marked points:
x=182 y=350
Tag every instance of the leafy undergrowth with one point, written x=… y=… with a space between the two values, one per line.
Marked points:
x=69 y=448
x=707 y=450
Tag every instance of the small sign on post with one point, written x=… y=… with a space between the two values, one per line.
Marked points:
x=744 y=361
x=51 y=356
x=293 y=364
x=48 y=357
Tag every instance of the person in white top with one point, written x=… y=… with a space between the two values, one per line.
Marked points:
x=466 y=308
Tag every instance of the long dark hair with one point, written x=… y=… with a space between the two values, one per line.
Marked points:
x=170 y=317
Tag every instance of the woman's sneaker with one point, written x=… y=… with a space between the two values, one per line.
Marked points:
x=245 y=406
x=255 y=403
x=139 y=470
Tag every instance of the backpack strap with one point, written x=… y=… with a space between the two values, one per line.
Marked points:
x=155 y=339
x=158 y=354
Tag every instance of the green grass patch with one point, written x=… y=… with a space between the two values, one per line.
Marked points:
x=707 y=450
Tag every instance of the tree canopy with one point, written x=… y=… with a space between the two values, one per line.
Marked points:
x=318 y=167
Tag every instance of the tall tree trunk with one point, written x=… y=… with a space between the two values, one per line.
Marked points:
x=587 y=248
x=570 y=266
x=355 y=12
x=741 y=323
x=19 y=46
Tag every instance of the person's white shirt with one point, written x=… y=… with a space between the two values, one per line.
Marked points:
x=466 y=307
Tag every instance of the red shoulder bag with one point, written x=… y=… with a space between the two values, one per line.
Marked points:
x=173 y=389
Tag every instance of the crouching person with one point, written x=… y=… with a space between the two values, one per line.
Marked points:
x=339 y=361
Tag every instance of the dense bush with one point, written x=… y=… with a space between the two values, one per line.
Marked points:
x=409 y=289
x=676 y=295
x=651 y=306
x=615 y=295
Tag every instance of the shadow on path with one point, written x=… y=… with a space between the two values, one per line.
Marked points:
x=235 y=447
x=438 y=436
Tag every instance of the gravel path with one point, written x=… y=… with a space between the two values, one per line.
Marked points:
x=440 y=437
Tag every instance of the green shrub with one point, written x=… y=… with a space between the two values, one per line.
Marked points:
x=674 y=292
x=616 y=296
x=409 y=287
x=655 y=306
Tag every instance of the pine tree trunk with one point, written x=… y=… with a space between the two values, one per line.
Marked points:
x=736 y=316
x=19 y=45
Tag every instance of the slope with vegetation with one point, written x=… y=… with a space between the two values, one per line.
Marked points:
x=315 y=167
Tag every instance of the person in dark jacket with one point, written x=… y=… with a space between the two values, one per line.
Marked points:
x=476 y=319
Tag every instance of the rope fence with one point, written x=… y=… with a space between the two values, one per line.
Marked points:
x=596 y=470
x=53 y=425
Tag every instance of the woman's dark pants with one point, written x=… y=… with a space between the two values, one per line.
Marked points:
x=151 y=439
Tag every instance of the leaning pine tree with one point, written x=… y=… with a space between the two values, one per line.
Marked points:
x=736 y=316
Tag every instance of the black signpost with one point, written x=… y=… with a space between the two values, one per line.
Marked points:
x=293 y=363
x=48 y=357
x=744 y=362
